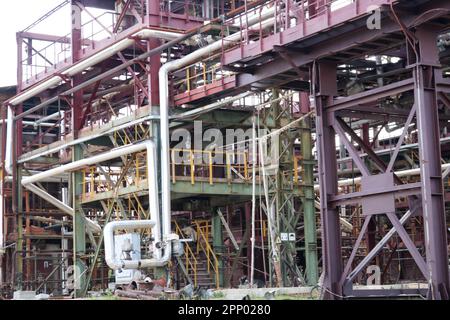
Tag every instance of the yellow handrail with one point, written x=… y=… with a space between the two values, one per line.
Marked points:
x=214 y=262
x=188 y=253
x=241 y=169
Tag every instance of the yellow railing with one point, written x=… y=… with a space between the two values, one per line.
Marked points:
x=296 y=171
x=122 y=137
x=235 y=165
x=190 y=259
x=203 y=241
x=95 y=181
x=199 y=75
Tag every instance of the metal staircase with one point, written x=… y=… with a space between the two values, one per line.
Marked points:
x=200 y=263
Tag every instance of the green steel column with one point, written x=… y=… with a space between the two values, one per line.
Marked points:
x=79 y=226
x=217 y=238
x=309 y=210
x=20 y=234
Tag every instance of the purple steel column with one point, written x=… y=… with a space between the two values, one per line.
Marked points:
x=372 y=227
x=430 y=163
x=331 y=234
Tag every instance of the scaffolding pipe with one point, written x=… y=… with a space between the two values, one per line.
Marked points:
x=9 y=142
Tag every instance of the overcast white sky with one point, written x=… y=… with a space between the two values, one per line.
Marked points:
x=15 y=16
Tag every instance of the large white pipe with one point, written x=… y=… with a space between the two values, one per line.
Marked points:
x=9 y=141
x=91 y=61
x=28 y=182
x=400 y=174
x=55 y=115
x=115 y=262
x=92 y=225
x=75 y=69
x=153 y=197
x=30 y=123
x=164 y=108
x=112 y=154
x=253 y=18
x=158 y=260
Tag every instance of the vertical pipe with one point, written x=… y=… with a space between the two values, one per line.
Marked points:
x=252 y=238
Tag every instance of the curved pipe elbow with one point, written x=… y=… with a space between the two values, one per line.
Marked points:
x=110 y=254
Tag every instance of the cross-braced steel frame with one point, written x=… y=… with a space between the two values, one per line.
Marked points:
x=381 y=187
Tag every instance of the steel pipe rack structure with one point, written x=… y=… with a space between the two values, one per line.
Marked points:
x=330 y=77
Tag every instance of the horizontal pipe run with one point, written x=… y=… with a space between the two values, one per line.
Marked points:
x=91 y=61
x=208 y=108
x=110 y=72
x=164 y=71
x=400 y=174
x=87 y=138
x=93 y=226
x=112 y=154
x=111 y=259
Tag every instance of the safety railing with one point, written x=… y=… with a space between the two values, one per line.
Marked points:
x=189 y=255
x=212 y=262
x=199 y=75
x=99 y=180
x=100 y=27
x=136 y=133
x=210 y=165
x=44 y=55
x=285 y=14
x=43 y=60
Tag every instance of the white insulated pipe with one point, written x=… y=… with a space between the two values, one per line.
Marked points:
x=9 y=142
x=75 y=69
x=115 y=262
x=55 y=115
x=28 y=182
x=114 y=153
x=158 y=259
x=91 y=61
x=400 y=174
x=92 y=225
x=164 y=107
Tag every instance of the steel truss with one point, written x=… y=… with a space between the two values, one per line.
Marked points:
x=380 y=187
